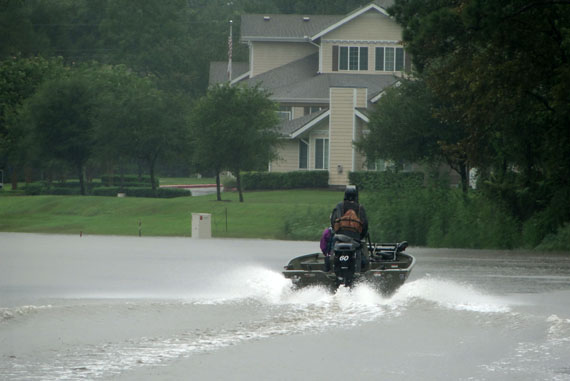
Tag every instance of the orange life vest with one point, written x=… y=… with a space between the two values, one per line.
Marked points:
x=348 y=222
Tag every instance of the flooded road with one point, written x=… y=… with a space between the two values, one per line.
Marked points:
x=126 y=308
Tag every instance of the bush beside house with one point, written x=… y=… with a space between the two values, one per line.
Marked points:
x=285 y=180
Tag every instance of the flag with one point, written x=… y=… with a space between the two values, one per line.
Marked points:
x=230 y=53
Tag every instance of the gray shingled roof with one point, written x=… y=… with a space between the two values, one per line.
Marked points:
x=287 y=127
x=219 y=71
x=259 y=27
x=298 y=82
x=285 y=27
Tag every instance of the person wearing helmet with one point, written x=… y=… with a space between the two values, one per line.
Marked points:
x=349 y=218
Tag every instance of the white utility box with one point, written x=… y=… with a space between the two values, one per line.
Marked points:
x=201 y=225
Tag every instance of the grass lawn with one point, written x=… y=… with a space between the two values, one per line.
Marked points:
x=262 y=215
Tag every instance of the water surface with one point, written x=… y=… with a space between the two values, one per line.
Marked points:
x=126 y=308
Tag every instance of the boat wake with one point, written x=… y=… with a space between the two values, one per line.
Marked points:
x=245 y=304
x=270 y=287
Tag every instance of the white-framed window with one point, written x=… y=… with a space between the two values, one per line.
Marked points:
x=312 y=109
x=321 y=154
x=353 y=58
x=285 y=112
x=389 y=59
x=303 y=155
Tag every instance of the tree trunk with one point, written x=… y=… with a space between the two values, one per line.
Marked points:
x=121 y=176
x=152 y=183
x=464 y=178
x=14 y=178
x=218 y=192
x=238 y=183
x=28 y=174
x=81 y=175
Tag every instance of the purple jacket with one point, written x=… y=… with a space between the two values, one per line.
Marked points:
x=325 y=239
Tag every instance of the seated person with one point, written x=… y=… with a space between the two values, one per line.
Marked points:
x=349 y=218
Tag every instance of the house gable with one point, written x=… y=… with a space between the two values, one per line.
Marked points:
x=349 y=18
x=369 y=26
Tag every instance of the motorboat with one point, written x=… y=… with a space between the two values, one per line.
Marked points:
x=386 y=268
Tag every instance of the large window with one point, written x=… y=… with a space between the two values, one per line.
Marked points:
x=389 y=59
x=321 y=154
x=303 y=155
x=353 y=58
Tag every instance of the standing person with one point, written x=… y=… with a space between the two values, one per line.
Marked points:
x=349 y=218
x=326 y=247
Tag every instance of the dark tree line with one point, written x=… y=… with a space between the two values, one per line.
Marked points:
x=106 y=84
x=490 y=90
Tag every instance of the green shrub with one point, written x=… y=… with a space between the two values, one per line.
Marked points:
x=106 y=191
x=228 y=182
x=472 y=222
x=400 y=213
x=439 y=217
x=34 y=189
x=306 y=225
x=128 y=181
x=285 y=180
x=557 y=241
x=371 y=180
x=62 y=191
x=141 y=192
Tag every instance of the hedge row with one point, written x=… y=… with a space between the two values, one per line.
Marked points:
x=128 y=181
x=285 y=180
x=41 y=189
x=379 y=180
x=141 y=192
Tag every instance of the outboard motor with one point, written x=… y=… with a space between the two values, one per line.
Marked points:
x=344 y=263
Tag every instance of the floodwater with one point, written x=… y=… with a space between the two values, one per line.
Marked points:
x=129 y=308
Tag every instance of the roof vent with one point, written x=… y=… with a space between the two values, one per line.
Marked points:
x=267 y=18
x=306 y=18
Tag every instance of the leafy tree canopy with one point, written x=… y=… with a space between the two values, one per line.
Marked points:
x=234 y=128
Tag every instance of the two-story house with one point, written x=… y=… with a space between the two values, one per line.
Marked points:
x=325 y=72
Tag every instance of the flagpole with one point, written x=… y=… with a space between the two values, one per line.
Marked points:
x=230 y=47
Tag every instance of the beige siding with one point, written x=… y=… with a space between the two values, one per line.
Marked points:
x=341 y=133
x=265 y=56
x=288 y=157
x=298 y=112
x=369 y=30
x=371 y=26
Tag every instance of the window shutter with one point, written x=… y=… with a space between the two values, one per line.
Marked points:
x=380 y=58
x=363 y=65
x=335 y=58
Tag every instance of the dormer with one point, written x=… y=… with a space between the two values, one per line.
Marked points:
x=367 y=41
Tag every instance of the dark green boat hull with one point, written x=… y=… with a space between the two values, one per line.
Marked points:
x=385 y=275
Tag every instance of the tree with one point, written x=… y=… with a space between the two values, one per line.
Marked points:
x=137 y=120
x=234 y=128
x=404 y=127
x=503 y=70
x=61 y=115
x=19 y=80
